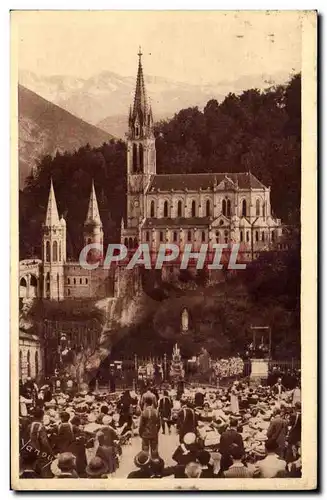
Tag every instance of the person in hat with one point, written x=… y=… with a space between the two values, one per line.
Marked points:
x=96 y=469
x=187 y=421
x=39 y=441
x=277 y=431
x=67 y=466
x=229 y=437
x=237 y=469
x=65 y=433
x=164 y=408
x=142 y=462
x=186 y=452
x=149 y=427
x=272 y=465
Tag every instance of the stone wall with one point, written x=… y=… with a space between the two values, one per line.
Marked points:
x=30 y=357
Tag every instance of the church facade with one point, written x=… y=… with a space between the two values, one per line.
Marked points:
x=210 y=208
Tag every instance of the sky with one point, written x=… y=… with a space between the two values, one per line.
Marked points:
x=191 y=46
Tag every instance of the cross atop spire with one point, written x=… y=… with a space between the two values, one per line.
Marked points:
x=93 y=215
x=52 y=216
x=140 y=53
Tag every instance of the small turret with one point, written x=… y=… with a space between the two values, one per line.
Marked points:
x=93 y=232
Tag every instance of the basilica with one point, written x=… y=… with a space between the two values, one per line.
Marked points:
x=189 y=208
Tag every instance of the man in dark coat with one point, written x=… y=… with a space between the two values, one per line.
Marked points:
x=277 y=431
x=165 y=407
x=149 y=428
x=187 y=421
x=229 y=437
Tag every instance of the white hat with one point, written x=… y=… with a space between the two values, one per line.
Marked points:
x=189 y=438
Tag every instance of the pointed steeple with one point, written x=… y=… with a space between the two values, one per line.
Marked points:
x=52 y=216
x=140 y=101
x=93 y=215
x=140 y=115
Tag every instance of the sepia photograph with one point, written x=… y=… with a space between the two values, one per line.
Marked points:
x=163 y=321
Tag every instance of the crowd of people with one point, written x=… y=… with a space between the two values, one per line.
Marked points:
x=238 y=431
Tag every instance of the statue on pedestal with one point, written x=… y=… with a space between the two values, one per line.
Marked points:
x=184 y=320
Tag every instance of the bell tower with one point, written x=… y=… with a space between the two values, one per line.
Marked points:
x=54 y=251
x=141 y=151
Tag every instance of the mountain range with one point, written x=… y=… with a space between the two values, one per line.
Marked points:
x=61 y=112
x=104 y=99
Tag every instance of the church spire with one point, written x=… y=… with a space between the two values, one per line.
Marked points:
x=140 y=100
x=140 y=116
x=93 y=215
x=52 y=216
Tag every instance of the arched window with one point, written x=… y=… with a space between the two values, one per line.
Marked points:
x=89 y=241
x=28 y=363
x=272 y=235
x=80 y=281
x=166 y=209
x=257 y=208
x=218 y=236
x=55 y=251
x=147 y=236
x=126 y=242
x=179 y=209
x=141 y=153
x=203 y=236
x=264 y=209
x=226 y=236
x=47 y=282
x=130 y=243
x=257 y=236
x=68 y=281
x=241 y=235
x=161 y=236
x=59 y=251
x=68 y=292
x=135 y=243
x=152 y=209
x=86 y=281
x=175 y=236
x=193 y=209
x=224 y=207
x=228 y=208
x=134 y=158
x=208 y=208
x=248 y=236
x=189 y=236
x=36 y=360
x=263 y=236
x=47 y=251
x=74 y=281
x=137 y=131
x=244 y=208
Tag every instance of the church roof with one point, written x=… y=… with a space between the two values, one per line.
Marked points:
x=93 y=214
x=193 y=182
x=177 y=222
x=52 y=216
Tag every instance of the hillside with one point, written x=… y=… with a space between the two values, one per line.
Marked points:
x=45 y=128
